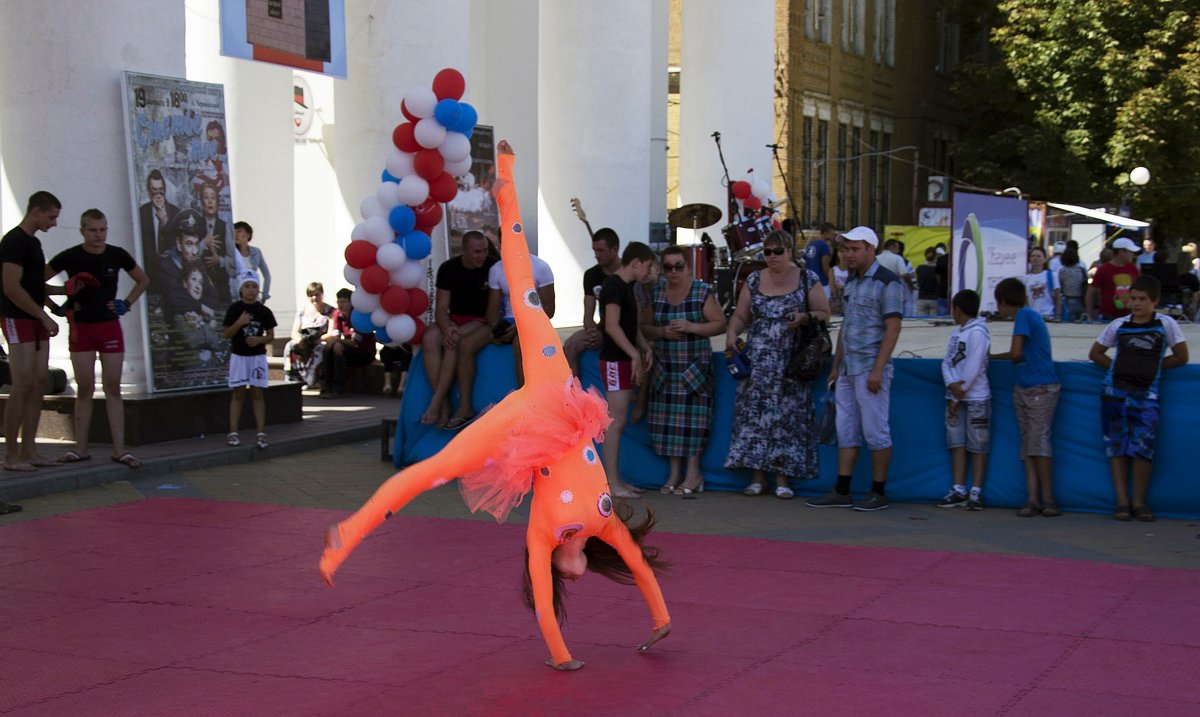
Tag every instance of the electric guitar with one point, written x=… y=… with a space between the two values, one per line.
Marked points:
x=578 y=208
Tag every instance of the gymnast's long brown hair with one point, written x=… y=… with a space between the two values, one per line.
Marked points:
x=603 y=559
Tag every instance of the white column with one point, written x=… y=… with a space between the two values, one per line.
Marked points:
x=64 y=131
x=660 y=28
x=727 y=56
x=594 y=128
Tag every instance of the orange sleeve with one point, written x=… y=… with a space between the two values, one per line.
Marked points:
x=617 y=535
x=543 y=596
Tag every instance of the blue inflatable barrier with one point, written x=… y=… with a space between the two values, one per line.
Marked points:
x=920 y=469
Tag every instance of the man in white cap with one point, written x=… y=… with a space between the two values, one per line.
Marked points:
x=861 y=376
x=1112 y=281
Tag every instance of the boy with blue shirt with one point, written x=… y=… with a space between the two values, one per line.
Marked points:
x=968 y=401
x=1035 y=395
x=1129 y=397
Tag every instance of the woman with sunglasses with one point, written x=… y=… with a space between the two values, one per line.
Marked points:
x=773 y=417
x=683 y=315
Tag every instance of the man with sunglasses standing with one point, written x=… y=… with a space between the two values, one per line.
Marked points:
x=861 y=374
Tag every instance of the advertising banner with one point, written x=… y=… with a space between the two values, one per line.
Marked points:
x=305 y=34
x=918 y=239
x=990 y=243
x=473 y=207
x=179 y=176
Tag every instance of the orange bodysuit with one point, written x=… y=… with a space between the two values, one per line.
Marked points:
x=540 y=436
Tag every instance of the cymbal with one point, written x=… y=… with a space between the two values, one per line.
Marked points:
x=694 y=216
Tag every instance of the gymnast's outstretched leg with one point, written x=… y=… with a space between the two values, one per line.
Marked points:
x=469 y=451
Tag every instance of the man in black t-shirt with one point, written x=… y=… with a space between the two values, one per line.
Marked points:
x=93 y=313
x=460 y=309
x=28 y=329
x=606 y=248
x=625 y=356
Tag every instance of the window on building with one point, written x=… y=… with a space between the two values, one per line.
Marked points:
x=818 y=20
x=275 y=9
x=854 y=26
x=806 y=174
x=948 y=41
x=843 y=173
x=822 y=169
x=885 y=178
x=873 y=182
x=855 y=188
x=884 y=47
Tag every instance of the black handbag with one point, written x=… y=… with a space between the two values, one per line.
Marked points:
x=812 y=348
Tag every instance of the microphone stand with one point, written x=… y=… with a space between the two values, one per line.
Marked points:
x=786 y=190
x=733 y=210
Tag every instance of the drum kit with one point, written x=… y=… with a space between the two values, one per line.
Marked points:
x=727 y=267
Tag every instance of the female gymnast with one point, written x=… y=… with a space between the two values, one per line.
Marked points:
x=540 y=437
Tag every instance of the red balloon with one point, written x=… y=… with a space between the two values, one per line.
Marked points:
x=428 y=164
x=416 y=339
x=373 y=280
x=429 y=214
x=449 y=83
x=404 y=139
x=408 y=115
x=418 y=302
x=741 y=189
x=777 y=224
x=394 y=300
x=752 y=203
x=442 y=188
x=361 y=253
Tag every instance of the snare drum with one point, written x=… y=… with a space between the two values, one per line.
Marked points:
x=700 y=258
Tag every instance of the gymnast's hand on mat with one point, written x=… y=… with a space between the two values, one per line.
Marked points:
x=566 y=666
x=655 y=636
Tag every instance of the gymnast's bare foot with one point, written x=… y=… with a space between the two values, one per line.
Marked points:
x=335 y=553
x=566 y=666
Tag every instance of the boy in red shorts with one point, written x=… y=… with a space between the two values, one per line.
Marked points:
x=27 y=328
x=93 y=312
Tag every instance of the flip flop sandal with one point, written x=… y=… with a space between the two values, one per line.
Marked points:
x=753 y=489
x=785 y=493
x=1122 y=513
x=1029 y=511
x=1051 y=511
x=128 y=459
x=6 y=508
x=74 y=457
x=1143 y=514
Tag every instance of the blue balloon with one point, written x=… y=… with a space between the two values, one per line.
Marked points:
x=466 y=119
x=387 y=177
x=361 y=322
x=417 y=245
x=402 y=218
x=381 y=335
x=447 y=112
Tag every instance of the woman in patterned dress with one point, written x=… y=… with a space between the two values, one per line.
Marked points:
x=685 y=314
x=773 y=416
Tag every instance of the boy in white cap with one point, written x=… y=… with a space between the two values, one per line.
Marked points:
x=250 y=326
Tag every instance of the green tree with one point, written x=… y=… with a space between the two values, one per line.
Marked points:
x=1064 y=97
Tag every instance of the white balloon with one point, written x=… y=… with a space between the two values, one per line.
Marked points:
x=379 y=232
x=420 y=101
x=412 y=190
x=455 y=147
x=379 y=317
x=1139 y=175
x=370 y=207
x=760 y=189
x=401 y=328
x=390 y=256
x=399 y=164
x=397 y=275
x=353 y=276
x=411 y=275
x=359 y=231
x=429 y=134
x=459 y=168
x=388 y=196
x=363 y=301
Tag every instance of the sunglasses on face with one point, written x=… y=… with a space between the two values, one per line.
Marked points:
x=674 y=267
x=776 y=251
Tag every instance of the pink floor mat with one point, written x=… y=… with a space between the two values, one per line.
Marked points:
x=188 y=607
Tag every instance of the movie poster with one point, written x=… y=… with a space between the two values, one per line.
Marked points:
x=473 y=207
x=179 y=172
